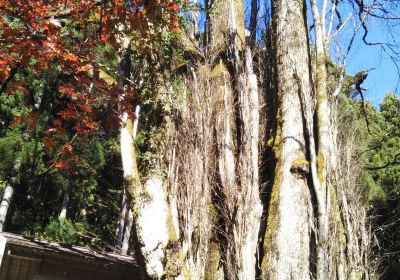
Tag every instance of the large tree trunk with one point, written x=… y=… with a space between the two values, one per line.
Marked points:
x=212 y=182
x=287 y=240
x=200 y=217
x=149 y=207
x=150 y=212
x=211 y=150
x=238 y=141
x=249 y=210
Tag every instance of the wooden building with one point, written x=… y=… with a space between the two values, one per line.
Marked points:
x=31 y=259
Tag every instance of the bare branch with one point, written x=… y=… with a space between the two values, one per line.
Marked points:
x=394 y=162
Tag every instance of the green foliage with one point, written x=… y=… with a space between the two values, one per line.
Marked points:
x=96 y=176
x=9 y=150
x=378 y=150
x=61 y=230
x=65 y=231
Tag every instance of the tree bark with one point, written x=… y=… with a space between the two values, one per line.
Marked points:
x=324 y=153
x=125 y=221
x=8 y=193
x=238 y=152
x=127 y=233
x=65 y=203
x=5 y=204
x=201 y=218
x=253 y=22
x=119 y=233
x=289 y=223
x=250 y=209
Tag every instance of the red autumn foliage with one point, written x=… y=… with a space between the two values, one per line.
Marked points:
x=34 y=39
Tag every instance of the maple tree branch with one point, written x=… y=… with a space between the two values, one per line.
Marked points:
x=68 y=14
x=58 y=157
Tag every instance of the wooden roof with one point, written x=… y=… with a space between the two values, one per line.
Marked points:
x=25 y=258
x=43 y=246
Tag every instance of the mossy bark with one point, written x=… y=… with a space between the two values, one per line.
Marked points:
x=287 y=239
x=206 y=191
x=218 y=158
x=323 y=139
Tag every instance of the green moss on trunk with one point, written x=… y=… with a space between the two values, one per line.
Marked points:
x=213 y=262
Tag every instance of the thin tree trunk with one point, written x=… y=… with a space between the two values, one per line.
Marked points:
x=194 y=34
x=249 y=212
x=119 y=233
x=324 y=139
x=253 y=22
x=127 y=233
x=8 y=193
x=65 y=203
x=125 y=221
x=5 y=204
x=136 y=122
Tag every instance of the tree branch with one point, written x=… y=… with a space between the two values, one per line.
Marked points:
x=58 y=157
x=394 y=162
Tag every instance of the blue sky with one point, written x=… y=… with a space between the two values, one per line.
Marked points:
x=385 y=77
x=380 y=80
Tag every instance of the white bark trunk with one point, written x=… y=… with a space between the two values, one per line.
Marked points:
x=250 y=208
x=149 y=205
x=292 y=255
x=125 y=221
x=152 y=225
x=65 y=203
x=287 y=239
x=128 y=150
x=5 y=204
x=8 y=193
x=136 y=122
x=194 y=34
x=324 y=140
x=132 y=185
